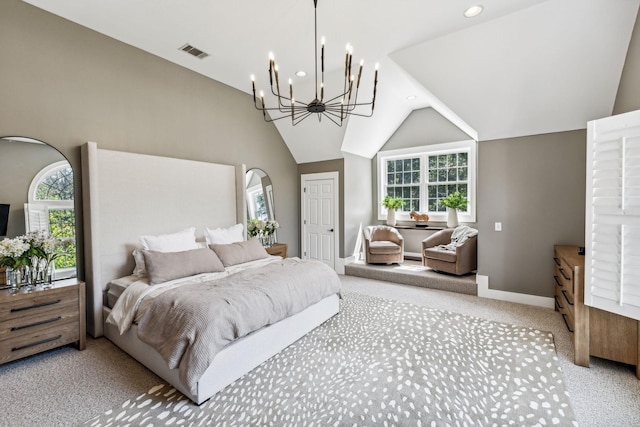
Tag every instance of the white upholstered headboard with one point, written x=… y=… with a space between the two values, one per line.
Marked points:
x=126 y=195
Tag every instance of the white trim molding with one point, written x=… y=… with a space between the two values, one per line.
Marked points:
x=485 y=292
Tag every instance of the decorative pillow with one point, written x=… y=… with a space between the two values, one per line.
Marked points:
x=239 y=252
x=175 y=242
x=222 y=236
x=140 y=269
x=165 y=266
x=138 y=256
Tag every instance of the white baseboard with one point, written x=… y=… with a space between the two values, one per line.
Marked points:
x=341 y=262
x=485 y=292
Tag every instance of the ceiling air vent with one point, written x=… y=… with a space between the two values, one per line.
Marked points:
x=194 y=51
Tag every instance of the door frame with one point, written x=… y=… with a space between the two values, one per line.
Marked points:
x=335 y=176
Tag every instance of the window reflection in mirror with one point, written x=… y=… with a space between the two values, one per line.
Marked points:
x=39 y=194
x=259 y=193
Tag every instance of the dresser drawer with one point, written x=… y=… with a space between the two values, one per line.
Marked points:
x=563 y=275
x=35 y=339
x=32 y=304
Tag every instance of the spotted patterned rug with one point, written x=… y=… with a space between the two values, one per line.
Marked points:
x=382 y=362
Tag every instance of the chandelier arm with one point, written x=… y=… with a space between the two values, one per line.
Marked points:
x=304 y=116
x=332 y=119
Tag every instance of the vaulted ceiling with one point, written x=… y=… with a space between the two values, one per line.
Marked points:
x=521 y=67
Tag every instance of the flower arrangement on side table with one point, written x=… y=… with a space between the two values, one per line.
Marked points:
x=263 y=230
x=30 y=258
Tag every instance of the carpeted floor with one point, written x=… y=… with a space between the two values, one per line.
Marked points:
x=381 y=361
x=65 y=387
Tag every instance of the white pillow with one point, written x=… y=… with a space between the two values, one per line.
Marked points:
x=223 y=236
x=175 y=242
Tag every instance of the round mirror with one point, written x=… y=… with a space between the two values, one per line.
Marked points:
x=259 y=193
x=38 y=195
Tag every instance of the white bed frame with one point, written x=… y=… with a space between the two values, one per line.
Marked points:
x=126 y=195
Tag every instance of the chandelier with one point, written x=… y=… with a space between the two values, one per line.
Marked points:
x=335 y=109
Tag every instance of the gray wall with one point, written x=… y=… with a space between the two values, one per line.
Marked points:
x=628 y=97
x=424 y=127
x=358 y=199
x=535 y=186
x=64 y=84
x=20 y=162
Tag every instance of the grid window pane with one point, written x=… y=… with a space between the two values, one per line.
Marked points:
x=463 y=174
x=433 y=162
x=444 y=174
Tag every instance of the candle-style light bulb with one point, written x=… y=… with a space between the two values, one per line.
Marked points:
x=271 y=69
x=360 y=73
x=264 y=112
x=253 y=86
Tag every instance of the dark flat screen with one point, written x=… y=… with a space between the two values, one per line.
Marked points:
x=4 y=219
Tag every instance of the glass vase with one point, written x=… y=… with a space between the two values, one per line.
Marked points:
x=47 y=275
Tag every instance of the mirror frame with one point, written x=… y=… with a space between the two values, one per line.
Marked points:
x=76 y=201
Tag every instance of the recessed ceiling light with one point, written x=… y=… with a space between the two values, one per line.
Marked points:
x=473 y=11
x=301 y=73
x=411 y=97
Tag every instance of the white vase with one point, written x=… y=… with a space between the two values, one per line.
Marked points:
x=452 y=217
x=391 y=217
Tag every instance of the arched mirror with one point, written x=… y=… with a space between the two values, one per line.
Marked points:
x=37 y=194
x=259 y=193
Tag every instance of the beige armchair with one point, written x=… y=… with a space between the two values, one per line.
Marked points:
x=383 y=245
x=462 y=260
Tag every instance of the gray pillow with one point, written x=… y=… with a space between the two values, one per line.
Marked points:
x=239 y=252
x=165 y=266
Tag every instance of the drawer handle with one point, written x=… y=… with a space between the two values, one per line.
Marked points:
x=564 y=317
x=557 y=301
x=558 y=281
x=44 y=304
x=566 y=297
x=564 y=274
x=557 y=261
x=17 y=328
x=22 y=347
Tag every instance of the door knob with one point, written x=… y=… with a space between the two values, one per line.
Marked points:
x=331 y=230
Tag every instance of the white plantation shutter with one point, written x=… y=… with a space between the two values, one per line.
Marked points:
x=36 y=217
x=612 y=264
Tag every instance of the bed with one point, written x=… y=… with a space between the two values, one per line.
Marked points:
x=120 y=190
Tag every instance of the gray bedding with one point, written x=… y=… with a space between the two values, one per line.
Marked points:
x=189 y=325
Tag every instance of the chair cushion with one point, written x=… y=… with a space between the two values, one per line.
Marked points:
x=440 y=254
x=383 y=247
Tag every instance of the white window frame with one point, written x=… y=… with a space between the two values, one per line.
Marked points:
x=468 y=146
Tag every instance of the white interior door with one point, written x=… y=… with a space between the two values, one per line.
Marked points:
x=320 y=217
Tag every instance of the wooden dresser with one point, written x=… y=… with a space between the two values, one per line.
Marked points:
x=279 y=249
x=595 y=332
x=32 y=322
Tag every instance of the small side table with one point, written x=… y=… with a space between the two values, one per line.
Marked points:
x=279 y=249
